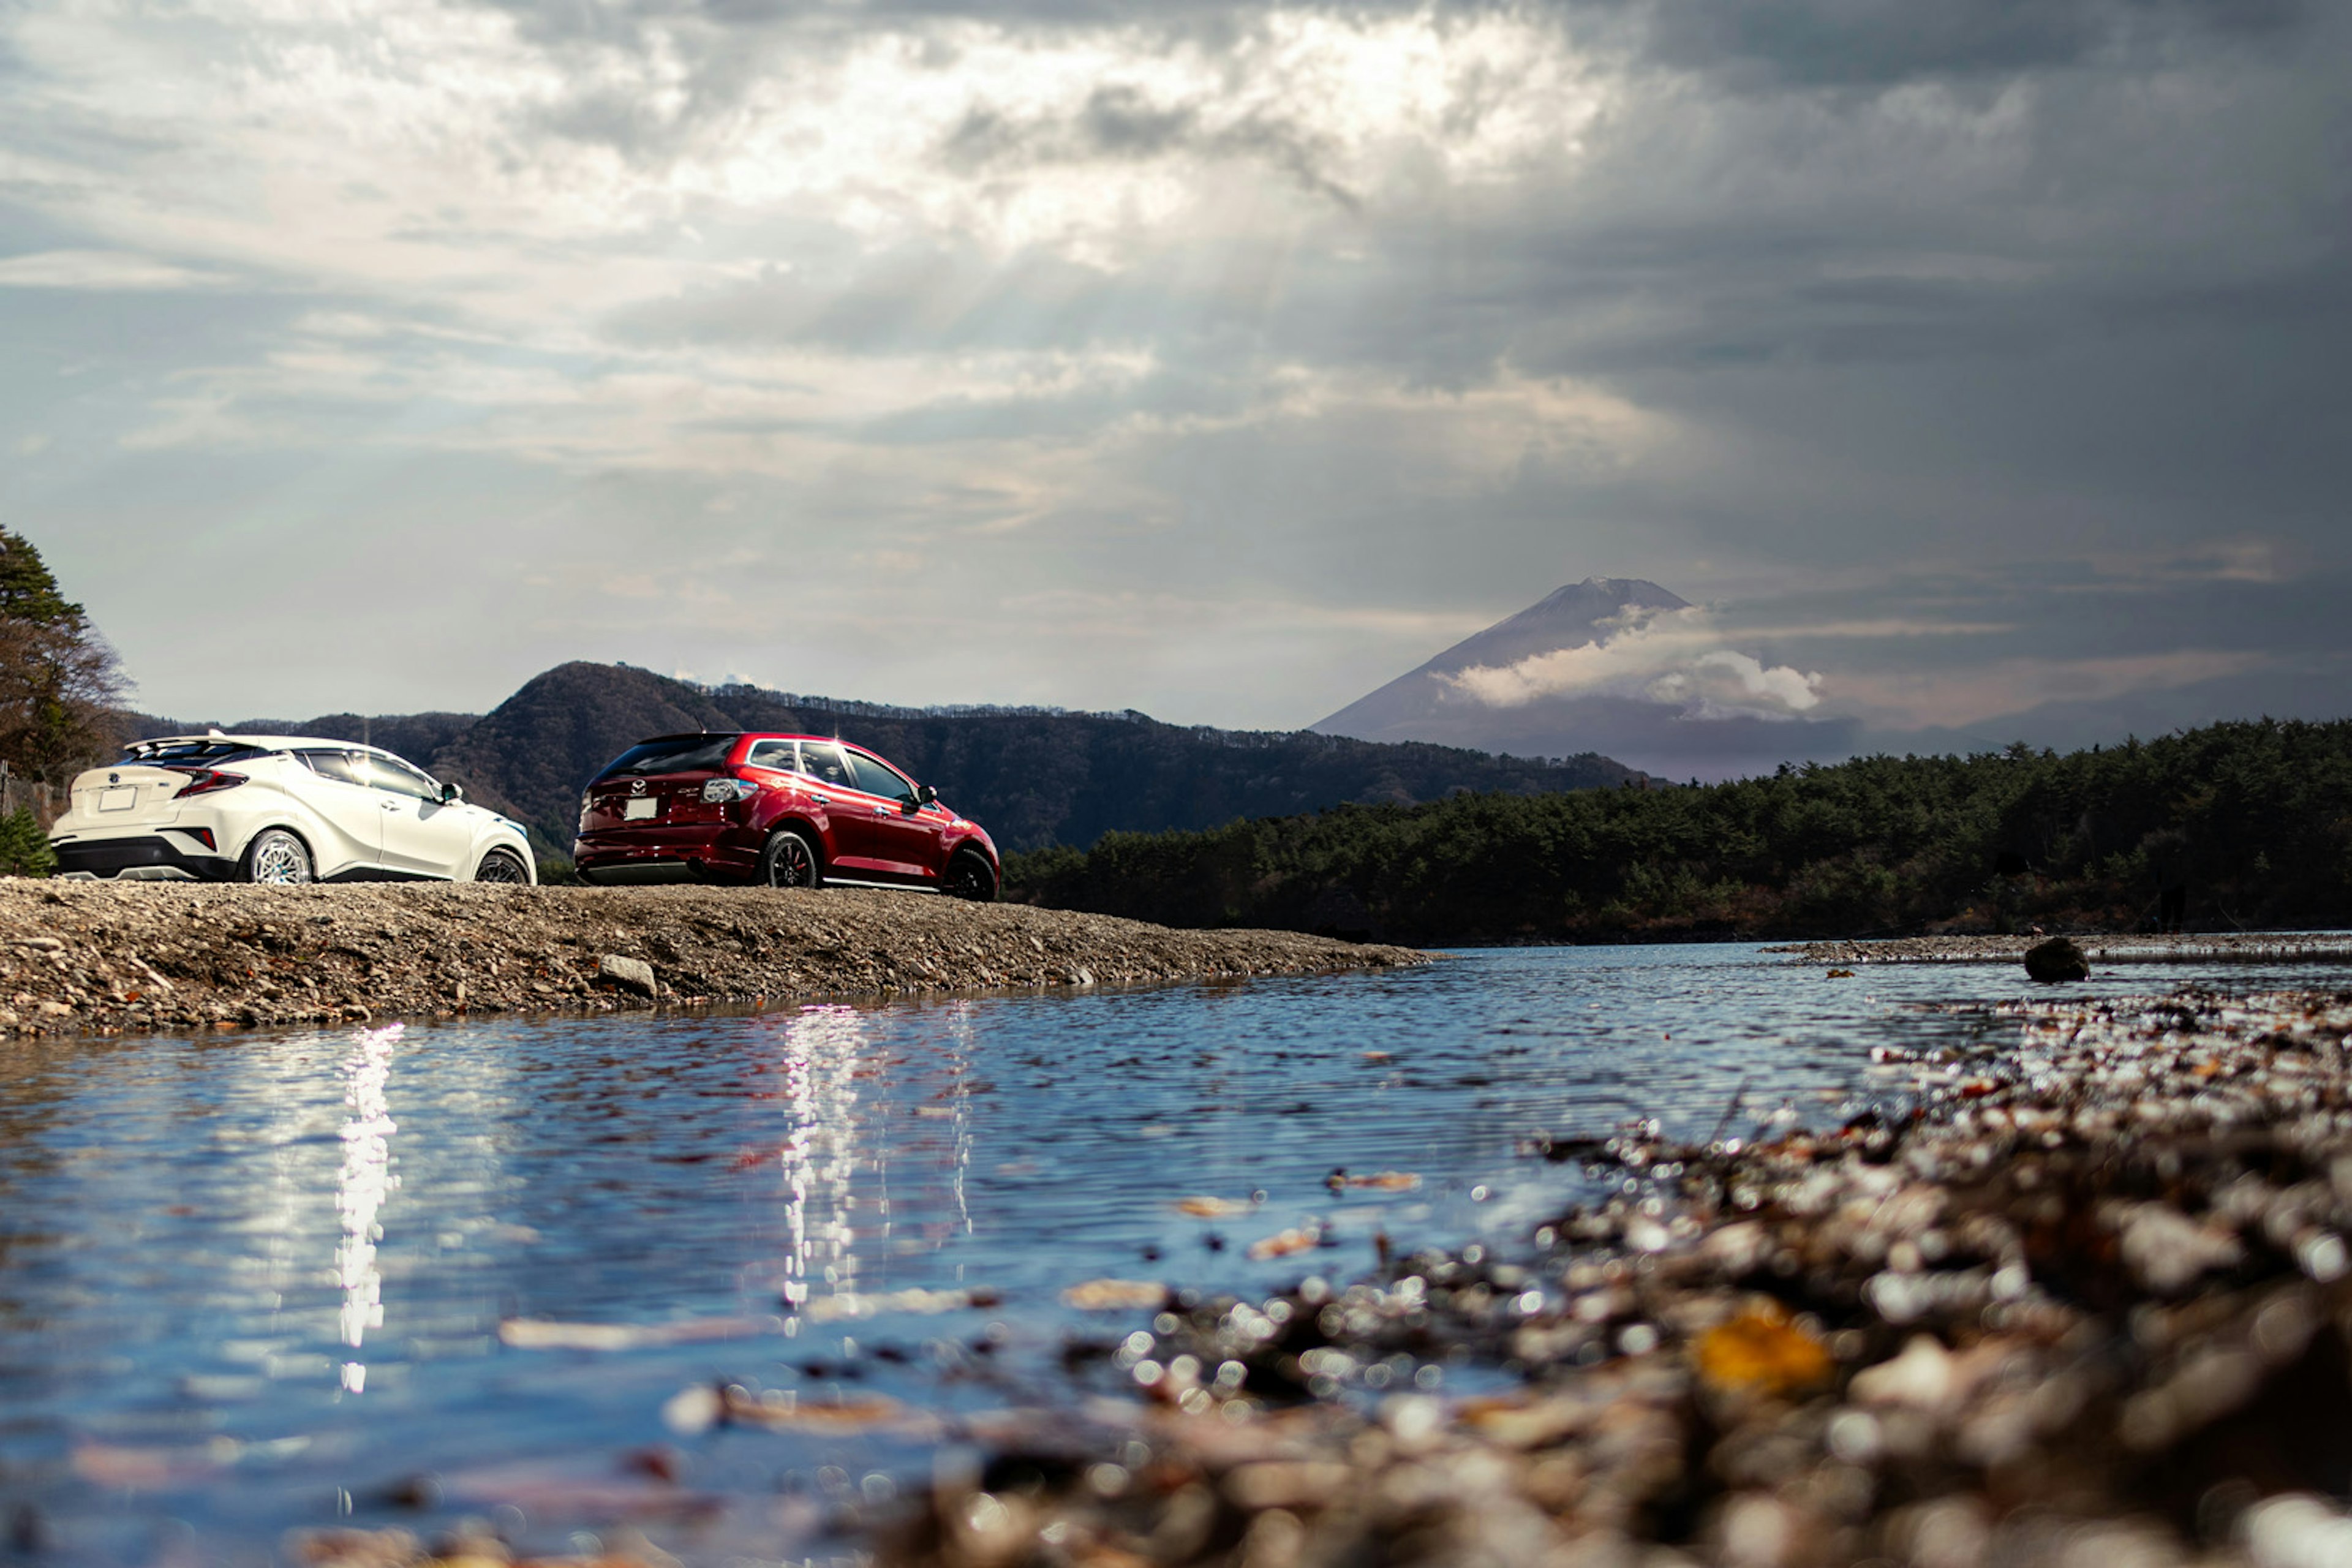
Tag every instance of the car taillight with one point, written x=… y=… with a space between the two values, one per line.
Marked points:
x=718 y=790
x=206 y=781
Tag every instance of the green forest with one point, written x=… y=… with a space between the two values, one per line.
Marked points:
x=2244 y=825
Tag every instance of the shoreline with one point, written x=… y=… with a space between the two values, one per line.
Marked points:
x=2088 y=1299
x=84 y=958
x=2147 y=947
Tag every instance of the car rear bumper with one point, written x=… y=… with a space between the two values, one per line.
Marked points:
x=690 y=854
x=153 y=857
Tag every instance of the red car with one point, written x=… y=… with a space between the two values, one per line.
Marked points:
x=790 y=811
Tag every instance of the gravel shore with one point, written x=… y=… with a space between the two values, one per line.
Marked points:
x=2084 y=1299
x=86 y=957
x=2179 y=947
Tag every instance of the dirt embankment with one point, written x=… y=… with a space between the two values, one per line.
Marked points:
x=80 y=957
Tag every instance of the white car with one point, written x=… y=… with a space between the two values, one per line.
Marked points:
x=279 y=808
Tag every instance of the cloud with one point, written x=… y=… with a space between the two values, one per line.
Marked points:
x=2005 y=337
x=1673 y=657
x=99 y=271
x=1878 y=43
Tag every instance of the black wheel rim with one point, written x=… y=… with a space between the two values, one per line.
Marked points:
x=790 y=866
x=968 y=880
x=500 y=868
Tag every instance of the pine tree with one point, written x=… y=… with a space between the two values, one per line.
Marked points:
x=59 y=683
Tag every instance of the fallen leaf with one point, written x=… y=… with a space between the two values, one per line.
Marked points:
x=1283 y=1243
x=550 y=1493
x=1763 y=1350
x=356 y=1548
x=1115 y=1295
x=540 y=1334
x=1213 y=1208
x=786 y=1410
x=1387 y=1181
x=849 y=1306
x=115 y=1464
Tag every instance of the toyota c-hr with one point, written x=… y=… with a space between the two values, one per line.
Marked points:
x=789 y=811
x=279 y=808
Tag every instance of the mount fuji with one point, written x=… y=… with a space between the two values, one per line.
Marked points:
x=1616 y=665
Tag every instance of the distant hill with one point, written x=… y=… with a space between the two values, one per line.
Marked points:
x=2234 y=827
x=1034 y=777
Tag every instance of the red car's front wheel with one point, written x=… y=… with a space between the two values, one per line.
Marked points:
x=971 y=877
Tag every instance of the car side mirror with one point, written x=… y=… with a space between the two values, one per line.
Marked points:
x=925 y=795
x=451 y=791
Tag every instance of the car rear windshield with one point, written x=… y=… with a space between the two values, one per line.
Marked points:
x=678 y=754
x=204 y=753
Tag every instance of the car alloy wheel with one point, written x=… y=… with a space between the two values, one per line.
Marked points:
x=970 y=877
x=787 y=861
x=500 y=866
x=276 y=856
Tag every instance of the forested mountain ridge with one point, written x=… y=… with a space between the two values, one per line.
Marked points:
x=2248 y=825
x=1033 y=777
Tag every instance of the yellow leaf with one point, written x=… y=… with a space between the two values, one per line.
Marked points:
x=1762 y=1350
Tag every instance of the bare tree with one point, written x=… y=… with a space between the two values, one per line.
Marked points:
x=60 y=684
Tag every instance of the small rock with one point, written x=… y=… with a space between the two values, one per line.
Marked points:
x=629 y=973
x=2058 y=959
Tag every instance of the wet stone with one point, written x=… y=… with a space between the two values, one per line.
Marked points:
x=2057 y=960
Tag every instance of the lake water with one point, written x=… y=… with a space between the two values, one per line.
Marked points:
x=253 y=1283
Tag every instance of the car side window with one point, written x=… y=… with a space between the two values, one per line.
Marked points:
x=336 y=765
x=874 y=778
x=399 y=778
x=781 y=755
x=822 y=761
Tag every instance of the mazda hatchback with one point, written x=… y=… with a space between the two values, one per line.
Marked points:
x=785 y=811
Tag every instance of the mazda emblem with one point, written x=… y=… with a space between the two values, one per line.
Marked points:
x=636 y=787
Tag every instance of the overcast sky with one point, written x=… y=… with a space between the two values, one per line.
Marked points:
x=1220 y=362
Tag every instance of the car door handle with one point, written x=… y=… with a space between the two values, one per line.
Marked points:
x=822 y=799
x=389 y=805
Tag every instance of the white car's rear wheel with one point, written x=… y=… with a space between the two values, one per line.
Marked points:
x=276 y=856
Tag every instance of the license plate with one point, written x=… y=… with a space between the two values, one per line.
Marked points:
x=121 y=799
x=642 y=808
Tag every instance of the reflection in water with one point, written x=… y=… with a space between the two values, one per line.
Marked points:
x=837 y=1133
x=360 y=1190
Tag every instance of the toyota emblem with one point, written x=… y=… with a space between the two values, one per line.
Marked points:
x=636 y=787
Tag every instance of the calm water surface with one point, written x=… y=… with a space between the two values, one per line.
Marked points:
x=255 y=1283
